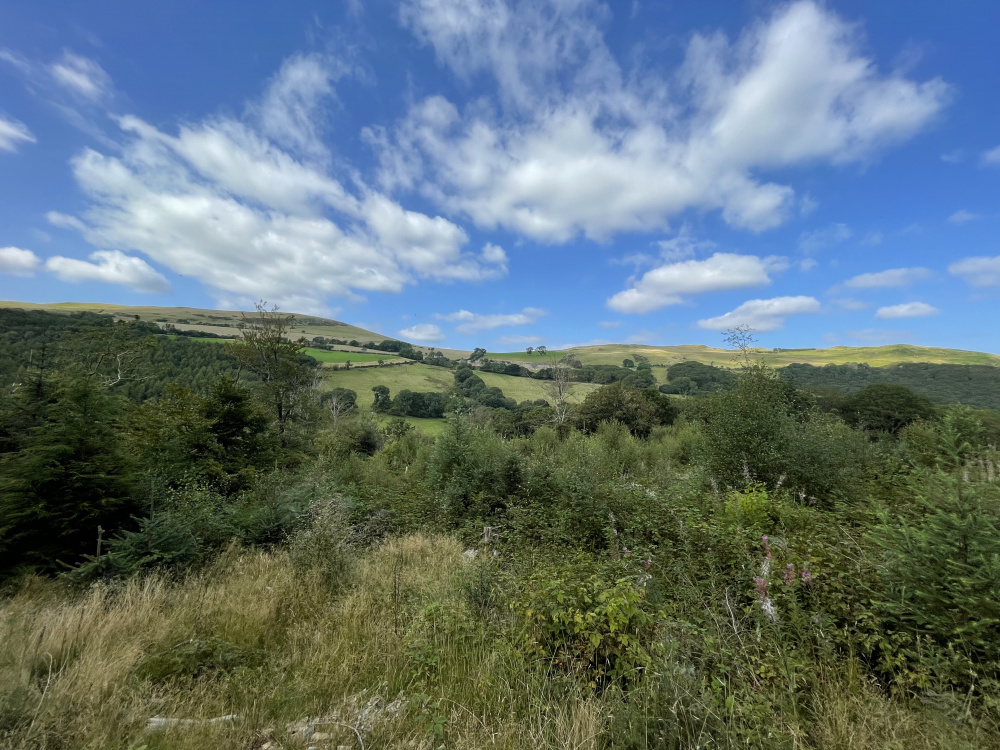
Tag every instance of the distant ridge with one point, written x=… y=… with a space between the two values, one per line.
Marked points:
x=224 y=321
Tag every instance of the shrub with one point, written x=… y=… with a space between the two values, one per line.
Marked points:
x=324 y=544
x=941 y=575
x=588 y=625
x=747 y=430
x=886 y=407
x=639 y=409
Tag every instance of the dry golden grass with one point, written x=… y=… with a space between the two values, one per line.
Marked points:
x=74 y=667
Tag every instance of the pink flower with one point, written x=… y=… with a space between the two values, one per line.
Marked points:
x=789 y=574
x=807 y=578
x=761 y=586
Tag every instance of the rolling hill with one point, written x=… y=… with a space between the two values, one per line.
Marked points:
x=225 y=322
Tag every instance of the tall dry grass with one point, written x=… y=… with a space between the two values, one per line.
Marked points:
x=87 y=670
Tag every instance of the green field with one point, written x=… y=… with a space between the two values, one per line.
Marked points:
x=324 y=355
x=427 y=378
x=877 y=356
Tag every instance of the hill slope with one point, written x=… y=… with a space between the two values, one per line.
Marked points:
x=224 y=322
x=877 y=356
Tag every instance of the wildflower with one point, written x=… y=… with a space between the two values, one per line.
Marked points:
x=807 y=578
x=767 y=546
x=614 y=531
x=648 y=564
x=761 y=587
x=789 y=574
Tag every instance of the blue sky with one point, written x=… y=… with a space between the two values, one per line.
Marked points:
x=481 y=172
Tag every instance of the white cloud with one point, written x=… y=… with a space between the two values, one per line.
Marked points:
x=821 y=239
x=81 y=76
x=808 y=264
x=891 y=277
x=668 y=284
x=762 y=314
x=291 y=110
x=474 y=323
x=992 y=157
x=110 y=267
x=582 y=147
x=872 y=239
x=961 y=217
x=13 y=133
x=221 y=202
x=953 y=157
x=423 y=332
x=978 y=271
x=906 y=310
x=610 y=323
x=65 y=221
x=14 y=260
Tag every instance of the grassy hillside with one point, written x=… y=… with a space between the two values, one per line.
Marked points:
x=221 y=322
x=877 y=356
x=419 y=377
x=224 y=322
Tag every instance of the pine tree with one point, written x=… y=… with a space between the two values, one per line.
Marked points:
x=69 y=477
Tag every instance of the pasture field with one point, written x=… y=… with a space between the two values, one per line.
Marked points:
x=528 y=389
x=326 y=356
x=877 y=356
x=405 y=377
x=323 y=355
x=428 y=378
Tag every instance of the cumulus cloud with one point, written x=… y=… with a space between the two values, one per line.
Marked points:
x=978 y=271
x=892 y=277
x=762 y=314
x=470 y=322
x=581 y=146
x=822 y=239
x=19 y=262
x=110 y=267
x=906 y=310
x=13 y=133
x=427 y=332
x=670 y=283
x=992 y=157
x=224 y=203
x=962 y=216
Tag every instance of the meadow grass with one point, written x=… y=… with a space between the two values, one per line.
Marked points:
x=529 y=389
x=88 y=669
x=877 y=356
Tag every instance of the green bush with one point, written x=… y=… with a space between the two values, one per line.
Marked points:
x=940 y=578
x=580 y=621
x=324 y=544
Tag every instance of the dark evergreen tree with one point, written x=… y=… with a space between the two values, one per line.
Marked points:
x=70 y=477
